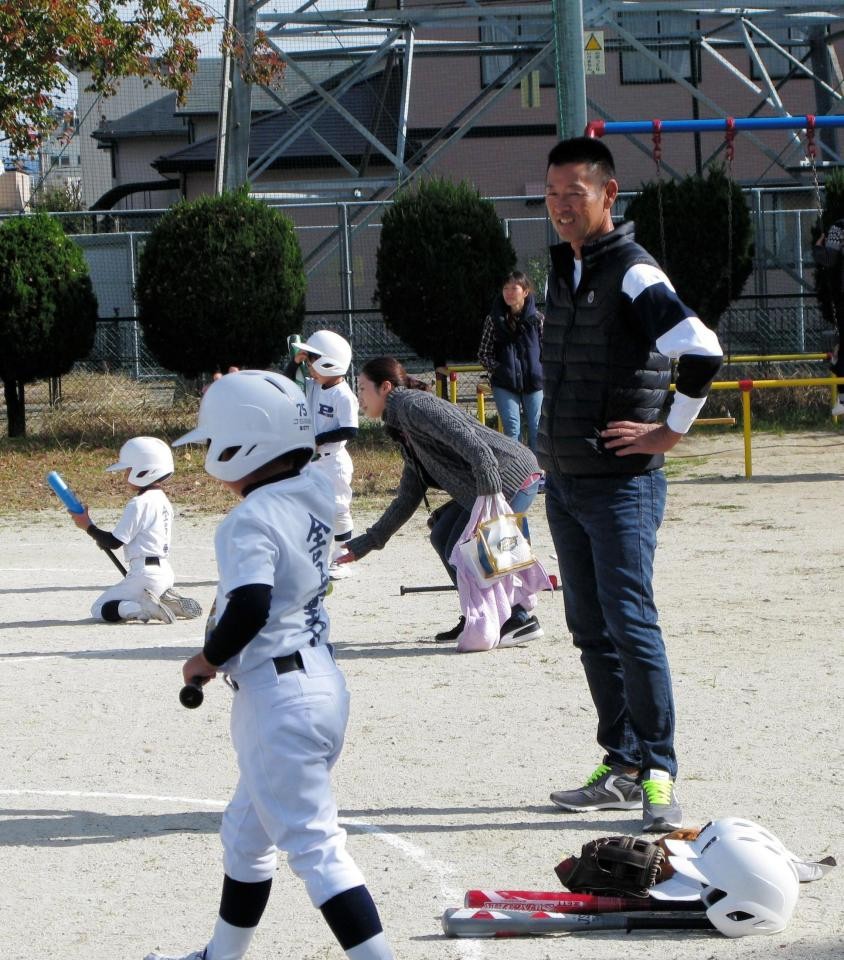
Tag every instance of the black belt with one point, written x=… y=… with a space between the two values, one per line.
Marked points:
x=152 y=562
x=293 y=661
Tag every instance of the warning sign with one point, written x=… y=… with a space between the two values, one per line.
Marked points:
x=593 y=53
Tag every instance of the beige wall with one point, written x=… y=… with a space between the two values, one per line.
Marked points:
x=95 y=163
x=14 y=191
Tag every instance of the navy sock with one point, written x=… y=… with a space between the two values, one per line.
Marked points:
x=242 y=904
x=352 y=916
x=110 y=611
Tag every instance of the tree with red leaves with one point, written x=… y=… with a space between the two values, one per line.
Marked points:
x=42 y=41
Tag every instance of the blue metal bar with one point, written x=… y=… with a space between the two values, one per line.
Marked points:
x=600 y=128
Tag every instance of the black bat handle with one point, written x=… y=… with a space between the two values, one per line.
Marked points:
x=191 y=695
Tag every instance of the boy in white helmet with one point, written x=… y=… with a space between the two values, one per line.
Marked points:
x=270 y=638
x=144 y=532
x=334 y=409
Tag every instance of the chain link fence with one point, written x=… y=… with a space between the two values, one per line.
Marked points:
x=339 y=241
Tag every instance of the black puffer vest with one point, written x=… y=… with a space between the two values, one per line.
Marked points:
x=518 y=349
x=596 y=366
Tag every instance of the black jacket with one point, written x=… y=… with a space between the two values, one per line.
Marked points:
x=597 y=365
x=518 y=349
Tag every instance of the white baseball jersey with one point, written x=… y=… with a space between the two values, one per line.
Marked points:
x=287 y=729
x=331 y=408
x=279 y=535
x=146 y=526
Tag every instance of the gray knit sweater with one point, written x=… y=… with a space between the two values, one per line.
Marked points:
x=454 y=450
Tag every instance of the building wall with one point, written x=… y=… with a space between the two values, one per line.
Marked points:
x=133 y=164
x=14 y=191
x=95 y=163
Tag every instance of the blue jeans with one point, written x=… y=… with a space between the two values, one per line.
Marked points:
x=450 y=522
x=604 y=531
x=510 y=406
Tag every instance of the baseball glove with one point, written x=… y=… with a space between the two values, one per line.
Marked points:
x=684 y=833
x=613 y=866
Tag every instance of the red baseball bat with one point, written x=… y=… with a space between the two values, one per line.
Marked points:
x=561 y=901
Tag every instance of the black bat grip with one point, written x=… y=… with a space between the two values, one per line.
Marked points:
x=191 y=695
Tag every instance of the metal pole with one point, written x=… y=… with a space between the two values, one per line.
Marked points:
x=346 y=285
x=235 y=102
x=404 y=105
x=569 y=67
x=223 y=118
x=603 y=127
x=695 y=79
x=136 y=342
x=798 y=252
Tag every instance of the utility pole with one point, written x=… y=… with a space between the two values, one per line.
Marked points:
x=569 y=67
x=232 y=161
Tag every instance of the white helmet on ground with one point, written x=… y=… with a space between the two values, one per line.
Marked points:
x=148 y=458
x=335 y=354
x=748 y=884
x=806 y=870
x=249 y=419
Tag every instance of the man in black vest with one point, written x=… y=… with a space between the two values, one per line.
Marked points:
x=613 y=323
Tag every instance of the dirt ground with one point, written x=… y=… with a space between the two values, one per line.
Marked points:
x=112 y=793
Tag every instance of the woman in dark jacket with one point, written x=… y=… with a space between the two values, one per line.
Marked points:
x=510 y=350
x=443 y=449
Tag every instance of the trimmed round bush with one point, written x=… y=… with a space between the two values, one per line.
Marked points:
x=442 y=258
x=220 y=283
x=696 y=245
x=48 y=310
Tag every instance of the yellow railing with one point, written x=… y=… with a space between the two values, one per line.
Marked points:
x=447 y=381
x=748 y=386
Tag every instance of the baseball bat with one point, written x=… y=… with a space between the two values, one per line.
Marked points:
x=458 y=922
x=561 y=901
x=64 y=493
x=191 y=695
x=71 y=501
x=450 y=586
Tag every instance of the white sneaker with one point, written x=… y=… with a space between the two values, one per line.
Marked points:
x=339 y=571
x=838 y=409
x=153 y=609
x=196 y=955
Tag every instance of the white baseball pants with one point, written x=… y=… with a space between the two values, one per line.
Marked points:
x=138 y=578
x=337 y=466
x=288 y=731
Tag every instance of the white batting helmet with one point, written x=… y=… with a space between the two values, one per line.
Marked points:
x=250 y=418
x=148 y=458
x=806 y=871
x=749 y=885
x=335 y=354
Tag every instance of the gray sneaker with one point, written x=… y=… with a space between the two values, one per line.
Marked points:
x=183 y=607
x=661 y=812
x=609 y=788
x=153 y=609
